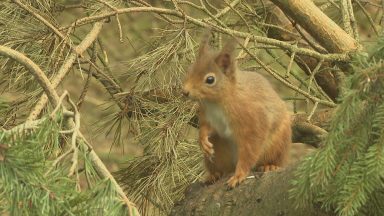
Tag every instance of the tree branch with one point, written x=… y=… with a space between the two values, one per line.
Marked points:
x=319 y=25
x=285 y=82
x=67 y=65
x=205 y=24
x=78 y=137
x=54 y=99
x=102 y=170
x=39 y=75
x=261 y=194
x=43 y=20
x=325 y=77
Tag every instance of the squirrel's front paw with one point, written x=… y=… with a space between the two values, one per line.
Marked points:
x=207 y=148
x=235 y=180
x=268 y=168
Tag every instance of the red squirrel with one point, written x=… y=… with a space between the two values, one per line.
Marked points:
x=243 y=122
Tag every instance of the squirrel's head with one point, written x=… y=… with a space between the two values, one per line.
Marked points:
x=212 y=73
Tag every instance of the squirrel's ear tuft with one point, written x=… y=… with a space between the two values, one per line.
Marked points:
x=225 y=59
x=204 y=44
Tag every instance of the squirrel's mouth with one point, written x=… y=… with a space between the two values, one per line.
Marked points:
x=190 y=97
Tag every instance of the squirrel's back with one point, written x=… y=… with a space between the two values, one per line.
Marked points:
x=257 y=89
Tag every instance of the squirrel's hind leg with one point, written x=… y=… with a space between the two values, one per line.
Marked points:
x=276 y=155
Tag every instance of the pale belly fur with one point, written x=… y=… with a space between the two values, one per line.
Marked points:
x=217 y=119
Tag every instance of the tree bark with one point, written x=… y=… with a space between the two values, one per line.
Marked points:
x=313 y=132
x=266 y=195
x=318 y=25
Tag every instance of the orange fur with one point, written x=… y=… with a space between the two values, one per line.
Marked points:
x=243 y=121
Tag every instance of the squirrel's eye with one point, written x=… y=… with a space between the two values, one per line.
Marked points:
x=210 y=80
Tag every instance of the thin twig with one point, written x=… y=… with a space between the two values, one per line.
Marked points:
x=57 y=160
x=368 y=17
x=295 y=75
x=120 y=29
x=103 y=172
x=346 y=17
x=65 y=38
x=159 y=16
x=87 y=82
x=76 y=128
x=107 y=4
x=117 y=18
x=67 y=65
x=290 y=63
x=190 y=4
x=241 y=53
x=44 y=21
x=176 y=5
x=58 y=106
x=334 y=4
x=66 y=7
x=66 y=131
x=211 y=15
x=226 y=9
x=277 y=27
x=75 y=124
x=275 y=74
x=238 y=14
x=109 y=84
x=313 y=73
x=29 y=125
x=353 y=20
x=211 y=6
x=382 y=15
x=318 y=88
x=313 y=111
x=61 y=46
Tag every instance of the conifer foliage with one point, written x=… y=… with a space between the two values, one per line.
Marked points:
x=36 y=176
x=347 y=175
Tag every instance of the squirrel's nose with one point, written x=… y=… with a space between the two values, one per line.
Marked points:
x=185 y=93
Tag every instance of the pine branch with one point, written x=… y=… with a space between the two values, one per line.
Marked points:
x=344 y=174
x=320 y=26
x=67 y=65
x=258 y=39
x=35 y=70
